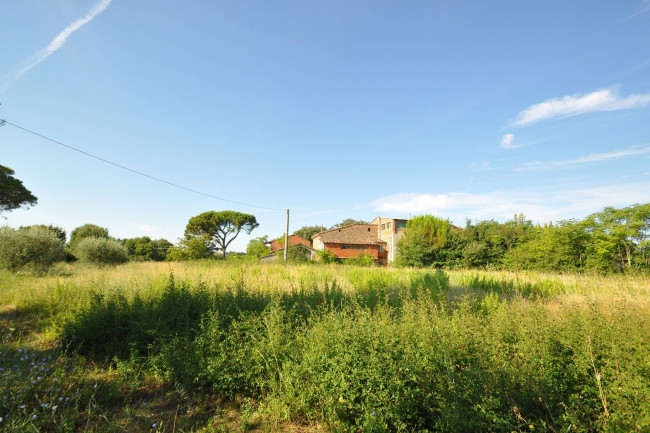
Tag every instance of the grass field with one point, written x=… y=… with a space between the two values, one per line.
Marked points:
x=214 y=346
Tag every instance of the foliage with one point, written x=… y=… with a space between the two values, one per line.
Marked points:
x=192 y=248
x=145 y=249
x=348 y=222
x=297 y=253
x=100 y=251
x=307 y=232
x=58 y=231
x=13 y=193
x=87 y=231
x=562 y=247
x=33 y=248
x=623 y=231
x=424 y=237
x=362 y=259
x=386 y=356
x=220 y=228
x=326 y=256
x=258 y=247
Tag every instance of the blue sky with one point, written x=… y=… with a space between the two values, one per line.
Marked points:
x=333 y=109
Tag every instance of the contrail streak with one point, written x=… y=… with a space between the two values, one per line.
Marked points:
x=58 y=41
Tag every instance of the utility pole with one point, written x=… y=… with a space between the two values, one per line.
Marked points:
x=286 y=240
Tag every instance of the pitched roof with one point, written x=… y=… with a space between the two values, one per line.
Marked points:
x=293 y=240
x=355 y=234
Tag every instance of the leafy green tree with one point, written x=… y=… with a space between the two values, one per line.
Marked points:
x=307 y=232
x=58 y=231
x=146 y=249
x=423 y=240
x=87 y=231
x=621 y=230
x=100 y=251
x=33 y=248
x=220 y=228
x=191 y=248
x=258 y=247
x=348 y=222
x=13 y=193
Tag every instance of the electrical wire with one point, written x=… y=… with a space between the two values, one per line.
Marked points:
x=6 y=122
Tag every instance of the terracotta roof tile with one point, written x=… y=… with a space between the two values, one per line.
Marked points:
x=356 y=234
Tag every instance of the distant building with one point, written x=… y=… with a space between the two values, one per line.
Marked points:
x=297 y=246
x=278 y=244
x=379 y=239
x=391 y=231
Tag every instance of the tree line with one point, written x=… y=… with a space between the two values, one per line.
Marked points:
x=613 y=240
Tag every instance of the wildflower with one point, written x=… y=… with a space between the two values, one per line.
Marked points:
x=373 y=414
x=54 y=407
x=532 y=427
x=341 y=399
x=154 y=425
x=22 y=406
x=34 y=416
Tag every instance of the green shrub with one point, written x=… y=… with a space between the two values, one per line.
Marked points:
x=363 y=259
x=87 y=231
x=100 y=251
x=32 y=248
x=327 y=256
x=194 y=248
x=145 y=249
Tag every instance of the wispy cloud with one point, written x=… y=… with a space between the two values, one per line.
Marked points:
x=58 y=41
x=566 y=106
x=480 y=166
x=595 y=157
x=644 y=7
x=506 y=141
x=538 y=206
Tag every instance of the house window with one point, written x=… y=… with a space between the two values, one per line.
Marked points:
x=352 y=247
x=388 y=226
x=381 y=248
x=400 y=224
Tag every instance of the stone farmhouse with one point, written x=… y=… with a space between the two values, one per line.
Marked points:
x=379 y=238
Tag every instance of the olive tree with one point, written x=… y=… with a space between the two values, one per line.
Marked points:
x=34 y=248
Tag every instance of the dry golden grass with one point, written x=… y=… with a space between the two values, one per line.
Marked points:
x=69 y=285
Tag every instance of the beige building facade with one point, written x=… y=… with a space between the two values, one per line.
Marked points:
x=390 y=230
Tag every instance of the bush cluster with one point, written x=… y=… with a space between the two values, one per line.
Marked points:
x=33 y=248
x=100 y=251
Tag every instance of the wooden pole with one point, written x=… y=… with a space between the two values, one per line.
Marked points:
x=286 y=240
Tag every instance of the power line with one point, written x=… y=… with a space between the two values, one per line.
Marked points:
x=6 y=122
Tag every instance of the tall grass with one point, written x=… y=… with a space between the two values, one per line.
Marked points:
x=369 y=349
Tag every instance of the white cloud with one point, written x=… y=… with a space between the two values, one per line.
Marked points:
x=566 y=106
x=480 y=166
x=506 y=141
x=630 y=151
x=502 y=205
x=59 y=40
